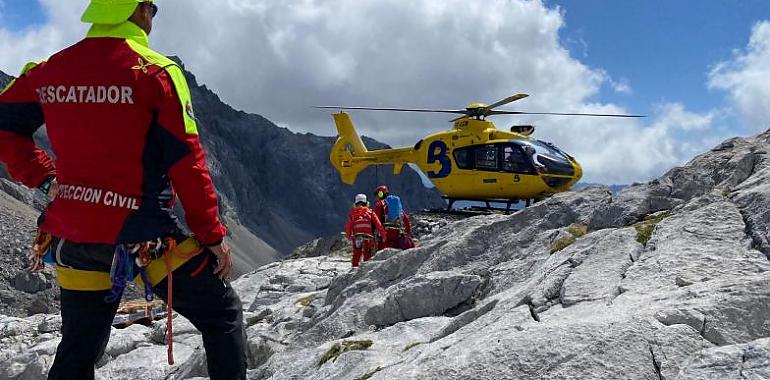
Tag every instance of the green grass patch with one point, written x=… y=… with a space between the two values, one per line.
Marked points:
x=645 y=227
x=411 y=346
x=356 y=345
x=332 y=354
x=369 y=374
x=562 y=243
x=347 y=345
x=575 y=230
x=304 y=301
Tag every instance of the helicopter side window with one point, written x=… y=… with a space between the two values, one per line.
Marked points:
x=515 y=160
x=463 y=158
x=486 y=157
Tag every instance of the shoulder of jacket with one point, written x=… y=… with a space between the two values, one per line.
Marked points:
x=29 y=66
x=151 y=57
x=24 y=71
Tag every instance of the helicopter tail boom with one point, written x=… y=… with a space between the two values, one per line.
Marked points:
x=348 y=150
x=350 y=156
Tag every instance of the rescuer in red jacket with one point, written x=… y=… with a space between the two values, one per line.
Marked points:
x=394 y=227
x=121 y=124
x=360 y=227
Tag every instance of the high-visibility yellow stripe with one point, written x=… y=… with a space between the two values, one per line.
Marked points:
x=138 y=41
x=29 y=66
x=77 y=279
x=177 y=76
x=8 y=86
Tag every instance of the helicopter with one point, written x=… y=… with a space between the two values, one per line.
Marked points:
x=474 y=161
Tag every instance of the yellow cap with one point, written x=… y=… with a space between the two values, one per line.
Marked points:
x=109 y=11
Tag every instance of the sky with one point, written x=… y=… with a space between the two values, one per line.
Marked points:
x=699 y=70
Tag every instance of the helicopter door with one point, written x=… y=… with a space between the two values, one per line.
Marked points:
x=515 y=160
x=486 y=158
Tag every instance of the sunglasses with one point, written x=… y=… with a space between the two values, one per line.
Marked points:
x=153 y=8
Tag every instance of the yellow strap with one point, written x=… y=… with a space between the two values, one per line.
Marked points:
x=86 y=280
x=76 y=279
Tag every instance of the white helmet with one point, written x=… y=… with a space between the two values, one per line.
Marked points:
x=360 y=198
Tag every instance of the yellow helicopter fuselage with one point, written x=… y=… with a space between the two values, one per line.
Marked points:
x=472 y=161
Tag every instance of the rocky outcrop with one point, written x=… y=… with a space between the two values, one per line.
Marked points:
x=22 y=293
x=4 y=79
x=745 y=361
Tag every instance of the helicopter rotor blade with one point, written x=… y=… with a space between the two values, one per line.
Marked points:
x=559 y=114
x=393 y=109
x=505 y=101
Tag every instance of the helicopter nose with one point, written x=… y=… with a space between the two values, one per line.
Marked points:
x=578 y=172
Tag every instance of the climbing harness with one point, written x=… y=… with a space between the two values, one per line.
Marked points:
x=129 y=261
x=358 y=239
x=123 y=260
x=143 y=254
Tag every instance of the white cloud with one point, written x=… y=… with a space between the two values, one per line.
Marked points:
x=37 y=43
x=277 y=58
x=746 y=78
x=621 y=86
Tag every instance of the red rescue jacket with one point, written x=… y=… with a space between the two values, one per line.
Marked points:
x=363 y=221
x=381 y=209
x=121 y=124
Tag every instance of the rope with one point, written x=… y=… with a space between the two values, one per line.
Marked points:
x=123 y=269
x=171 y=248
x=119 y=272
x=144 y=257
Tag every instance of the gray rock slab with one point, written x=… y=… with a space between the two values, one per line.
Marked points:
x=422 y=296
x=702 y=241
x=741 y=361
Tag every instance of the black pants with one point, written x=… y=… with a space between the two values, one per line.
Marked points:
x=210 y=304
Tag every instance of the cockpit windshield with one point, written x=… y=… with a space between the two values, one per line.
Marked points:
x=549 y=157
x=546 y=149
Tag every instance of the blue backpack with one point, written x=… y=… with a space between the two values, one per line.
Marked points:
x=395 y=209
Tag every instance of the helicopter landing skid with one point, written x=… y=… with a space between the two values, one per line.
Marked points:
x=508 y=203
x=464 y=212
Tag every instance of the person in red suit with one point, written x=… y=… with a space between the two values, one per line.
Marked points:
x=394 y=227
x=122 y=126
x=360 y=227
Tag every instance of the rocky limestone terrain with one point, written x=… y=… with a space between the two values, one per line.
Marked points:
x=21 y=293
x=664 y=280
